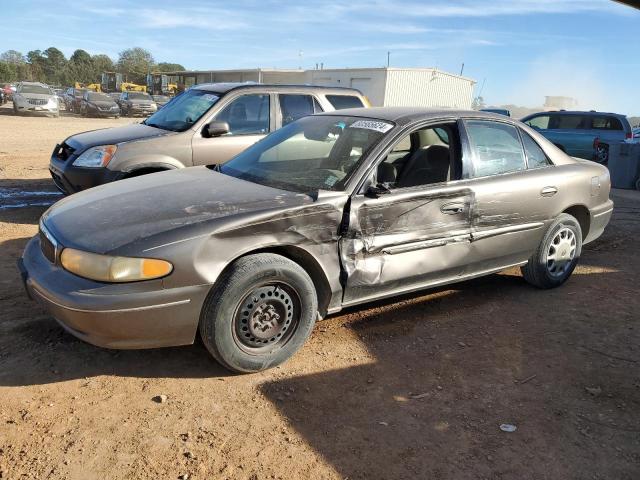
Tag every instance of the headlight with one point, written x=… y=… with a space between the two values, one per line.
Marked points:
x=96 y=156
x=105 y=268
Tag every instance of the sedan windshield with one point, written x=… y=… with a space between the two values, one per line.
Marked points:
x=314 y=153
x=183 y=111
x=36 y=89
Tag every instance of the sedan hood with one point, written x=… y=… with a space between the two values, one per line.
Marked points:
x=105 y=218
x=110 y=136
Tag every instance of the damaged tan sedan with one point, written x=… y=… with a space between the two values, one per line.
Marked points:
x=332 y=210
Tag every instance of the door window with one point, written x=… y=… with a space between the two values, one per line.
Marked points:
x=423 y=157
x=496 y=148
x=293 y=107
x=247 y=115
x=569 y=122
x=535 y=155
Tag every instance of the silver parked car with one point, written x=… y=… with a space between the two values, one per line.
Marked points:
x=137 y=103
x=183 y=133
x=35 y=97
x=331 y=211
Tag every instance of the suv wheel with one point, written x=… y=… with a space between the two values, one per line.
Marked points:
x=557 y=255
x=602 y=153
x=259 y=313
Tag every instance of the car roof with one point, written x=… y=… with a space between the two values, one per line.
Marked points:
x=404 y=115
x=227 y=87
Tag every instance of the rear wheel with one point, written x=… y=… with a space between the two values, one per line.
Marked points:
x=557 y=255
x=602 y=153
x=259 y=313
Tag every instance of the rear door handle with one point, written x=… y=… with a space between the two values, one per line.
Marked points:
x=452 y=208
x=548 y=191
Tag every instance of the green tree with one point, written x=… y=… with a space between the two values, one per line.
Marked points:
x=8 y=72
x=36 y=62
x=54 y=65
x=102 y=63
x=168 y=67
x=136 y=63
x=12 y=57
x=81 y=67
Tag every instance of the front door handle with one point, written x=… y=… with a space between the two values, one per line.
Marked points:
x=548 y=191
x=452 y=208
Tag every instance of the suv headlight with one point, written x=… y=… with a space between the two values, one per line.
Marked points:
x=96 y=157
x=105 y=268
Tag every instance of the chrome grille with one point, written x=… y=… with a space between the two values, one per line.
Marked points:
x=48 y=244
x=37 y=101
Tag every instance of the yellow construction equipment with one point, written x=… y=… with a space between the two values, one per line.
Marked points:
x=89 y=86
x=132 y=87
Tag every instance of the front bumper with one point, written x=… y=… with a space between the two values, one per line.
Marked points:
x=123 y=316
x=70 y=179
x=38 y=109
x=103 y=113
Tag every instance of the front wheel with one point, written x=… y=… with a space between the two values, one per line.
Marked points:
x=259 y=313
x=557 y=255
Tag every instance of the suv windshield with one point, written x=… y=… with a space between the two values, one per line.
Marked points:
x=183 y=111
x=313 y=153
x=139 y=96
x=36 y=89
x=99 y=97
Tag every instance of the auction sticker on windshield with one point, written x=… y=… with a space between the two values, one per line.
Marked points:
x=382 y=127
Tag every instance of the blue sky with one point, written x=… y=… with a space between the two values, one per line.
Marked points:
x=521 y=50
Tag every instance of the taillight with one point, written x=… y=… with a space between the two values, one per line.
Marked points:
x=629 y=136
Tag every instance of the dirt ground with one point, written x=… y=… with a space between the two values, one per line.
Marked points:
x=415 y=388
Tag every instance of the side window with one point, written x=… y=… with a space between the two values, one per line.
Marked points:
x=496 y=148
x=247 y=115
x=606 y=123
x=570 y=122
x=341 y=102
x=423 y=157
x=293 y=107
x=541 y=122
x=535 y=155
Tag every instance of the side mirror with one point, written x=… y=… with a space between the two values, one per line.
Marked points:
x=215 y=129
x=374 y=191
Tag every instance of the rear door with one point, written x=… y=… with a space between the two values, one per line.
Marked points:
x=516 y=192
x=249 y=117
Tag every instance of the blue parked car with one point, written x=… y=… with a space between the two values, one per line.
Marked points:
x=582 y=134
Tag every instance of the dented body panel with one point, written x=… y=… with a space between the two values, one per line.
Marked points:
x=356 y=246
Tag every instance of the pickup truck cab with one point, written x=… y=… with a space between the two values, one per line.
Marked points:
x=582 y=134
x=187 y=131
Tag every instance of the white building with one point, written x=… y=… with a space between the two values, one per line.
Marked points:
x=400 y=87
x=385 y=87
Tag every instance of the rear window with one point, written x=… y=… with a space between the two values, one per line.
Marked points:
x=607 y=123
x=340 y=102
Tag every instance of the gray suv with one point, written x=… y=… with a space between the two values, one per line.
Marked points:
x=207 y=124
x=137 y=103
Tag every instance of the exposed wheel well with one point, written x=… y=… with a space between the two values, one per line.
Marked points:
x=144 y=171
x=310 y=265
x=581 y=213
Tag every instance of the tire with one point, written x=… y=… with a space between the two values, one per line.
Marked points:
x=15 y=109
x=243 y=334
x=602 y=154
x=563 y=239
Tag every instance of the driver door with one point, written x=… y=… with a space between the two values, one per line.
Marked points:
x=416 y=231
x=249 y=118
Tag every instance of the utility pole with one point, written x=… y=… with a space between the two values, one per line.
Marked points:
x=462 y=69
x=388 y=59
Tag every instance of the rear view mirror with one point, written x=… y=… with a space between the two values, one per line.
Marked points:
x=215 y=129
